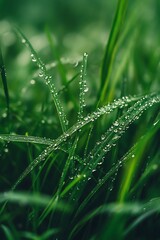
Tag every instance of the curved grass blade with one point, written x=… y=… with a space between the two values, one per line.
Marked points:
x=116 y=208
x=111 y=48
x=128 y=208
x=124 y=102
x=48 y=80
x=152 y=207
x=25 y=139
x=118 y=128
x=32 y=236
x=132 y=114
x=7 y=232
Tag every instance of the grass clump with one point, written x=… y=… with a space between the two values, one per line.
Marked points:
x=82 y=165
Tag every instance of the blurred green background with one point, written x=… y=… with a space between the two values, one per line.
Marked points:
x=77 y=27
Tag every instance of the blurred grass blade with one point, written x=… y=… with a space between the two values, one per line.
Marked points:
x=68 y=83
x=111 y=48
x=7 y=233
x=151 y=207
x=137 y=156
x=32 y=199
x=116 y=208
x=56 y=56
x=143 y=210
x=4 y=79
x=45 y=236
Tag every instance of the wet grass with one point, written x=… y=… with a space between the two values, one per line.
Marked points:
x=79 y=145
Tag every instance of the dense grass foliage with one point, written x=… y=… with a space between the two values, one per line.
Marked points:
x=79 y=131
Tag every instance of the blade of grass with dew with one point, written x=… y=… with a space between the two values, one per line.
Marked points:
x=153 y=166
x=133 y=113
x=152 y=169
x=48 y=208
x=119 y=127
x=83 y=89
x=48 y=80
x=124 y=102
x=136 y=159
x=83 y=86
x=111 y=48
x=25 y=139
x=137 y=151
x=4 y=79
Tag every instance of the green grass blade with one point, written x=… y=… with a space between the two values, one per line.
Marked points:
x=143 y=210
x=118 y=128
x=7 y=232
x=49 y=233
x=25 y=139
x=124 y=102
x=137 y=156
x=48 y=208
x=67 y=165
x=83 y=86
x=32 y=199
x=111 y=48
x=48 y=80
x=133 y=113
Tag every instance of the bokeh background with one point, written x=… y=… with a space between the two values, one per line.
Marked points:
x=77 y=27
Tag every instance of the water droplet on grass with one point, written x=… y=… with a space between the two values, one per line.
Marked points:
x=40 y=74
x=86 y=89
x=23 y=40
x=32 y=82
x=4 y=115
x=6 y=150
x=33 y=58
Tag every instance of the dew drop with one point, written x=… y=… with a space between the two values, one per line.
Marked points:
x=6 y=150
x=86 y=89
x=102 y=137
x=40 y=74
x=33 y=58
x=4 y=115
x=23 y=40
x=32 y=82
